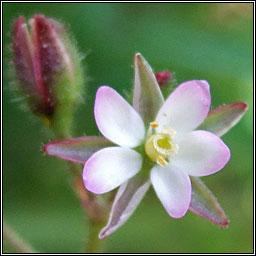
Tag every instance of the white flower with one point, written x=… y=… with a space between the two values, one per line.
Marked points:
x=154 y=142
x=171 y=144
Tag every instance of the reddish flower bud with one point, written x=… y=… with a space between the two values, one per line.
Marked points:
x=163 y=78
x=43 y=59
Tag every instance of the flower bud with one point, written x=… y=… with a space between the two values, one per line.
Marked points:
x=163 y=78
x=47 y=68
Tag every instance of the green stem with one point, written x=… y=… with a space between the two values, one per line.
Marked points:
x=93 y=209
x=14 y=241
x=88 y=200
x=94 y=244
x=75 y=169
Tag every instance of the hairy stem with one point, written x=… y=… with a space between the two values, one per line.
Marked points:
x=14 y=241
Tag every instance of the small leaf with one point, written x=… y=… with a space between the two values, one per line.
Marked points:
x=147 y=96
x=77 y=149
x=205 y=204
x=127 y=199
x=220 y=120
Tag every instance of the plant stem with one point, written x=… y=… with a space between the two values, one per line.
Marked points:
x=75 y=169
x=94 y=244
x=14 y=241
x=96 y=212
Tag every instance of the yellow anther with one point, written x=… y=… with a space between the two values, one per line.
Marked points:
x=154 y=124
x=159 y=147
x=160 y=160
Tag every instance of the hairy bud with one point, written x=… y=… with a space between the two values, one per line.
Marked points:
x=47 y=68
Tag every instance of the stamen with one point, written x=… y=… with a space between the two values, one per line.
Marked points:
x=159 y=147
x=169 y=131
x=154 y=124
x=160 y=160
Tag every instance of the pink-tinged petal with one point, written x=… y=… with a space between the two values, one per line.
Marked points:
x=77 y=149
x=126 y=201
x=200 y=153
x=147 y=96
x=186 y=107
x=116 y=119
x=223 y=118
x=205 y=204
x=109 y=168
x=173 y=188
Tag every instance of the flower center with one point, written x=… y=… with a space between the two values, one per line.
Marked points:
x=160 y=146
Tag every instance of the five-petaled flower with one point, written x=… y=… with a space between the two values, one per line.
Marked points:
x=154 y=141
x=171 y=143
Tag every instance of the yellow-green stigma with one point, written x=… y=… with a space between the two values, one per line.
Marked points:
x=159 y=147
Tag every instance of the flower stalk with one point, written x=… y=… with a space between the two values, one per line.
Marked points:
x=97 y=214
x=94 y=244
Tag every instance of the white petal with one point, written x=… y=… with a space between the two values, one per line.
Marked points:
x=186 y=108
x=200 y=153
x=173 y=188
x=116 y=119
x=109 y=168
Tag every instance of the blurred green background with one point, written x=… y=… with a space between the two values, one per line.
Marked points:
x=212 y=41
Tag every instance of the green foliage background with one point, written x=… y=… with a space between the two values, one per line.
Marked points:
x=211 y=41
